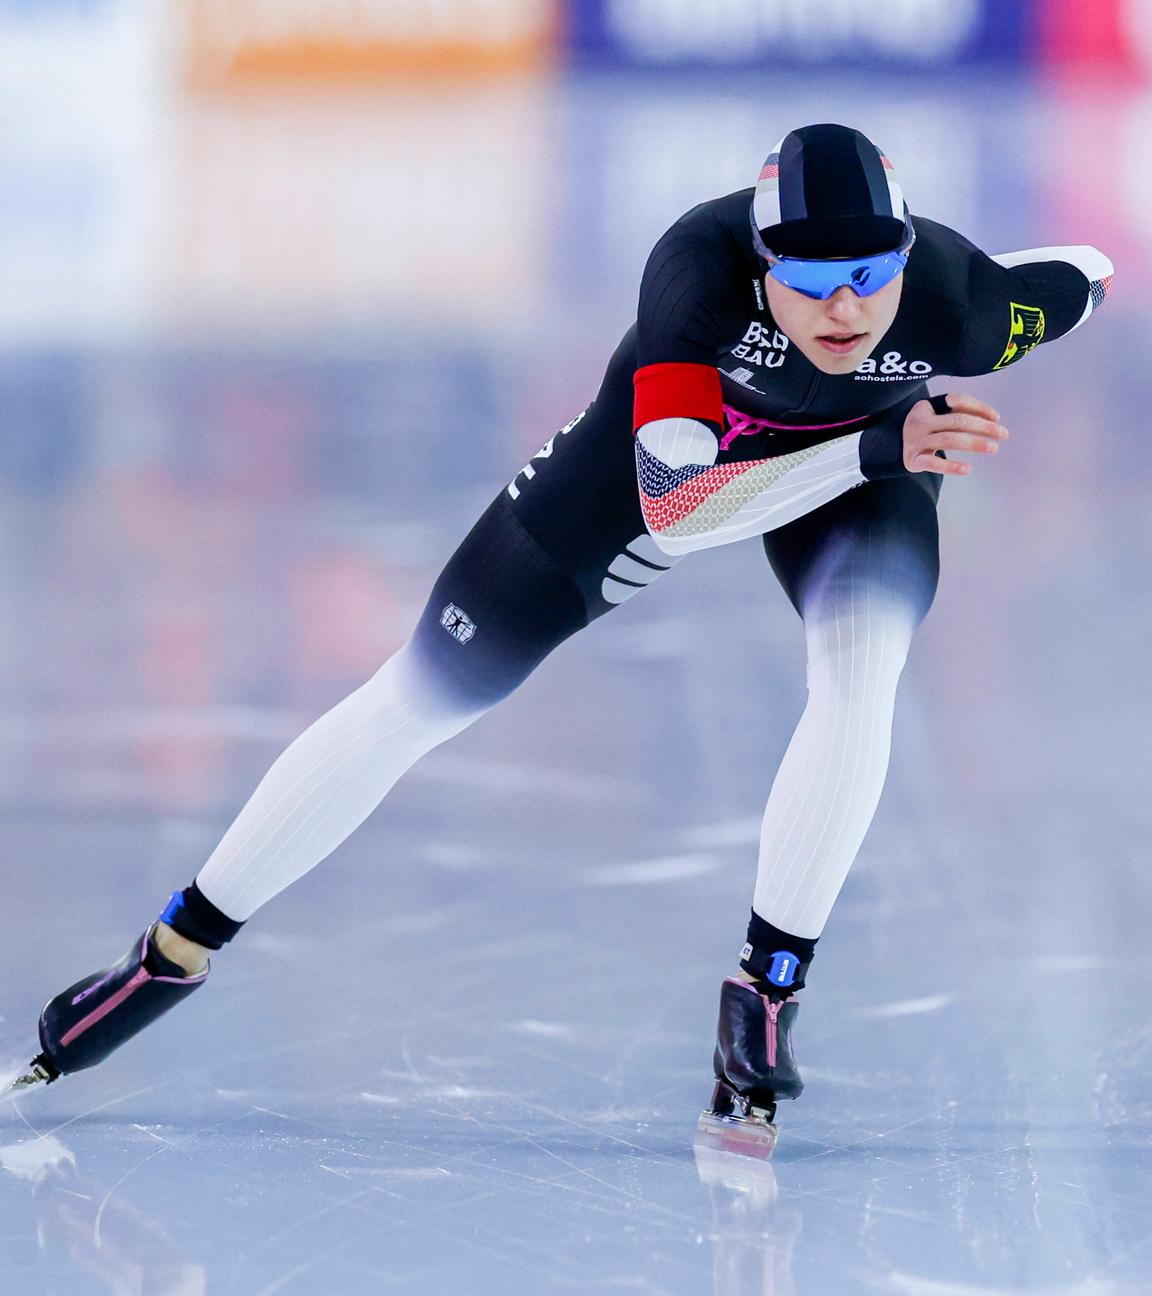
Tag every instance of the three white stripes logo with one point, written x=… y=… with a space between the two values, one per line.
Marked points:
x=634 y=569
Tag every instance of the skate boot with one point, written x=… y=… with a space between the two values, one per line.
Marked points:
x=754 y=1068
x=85 y=1023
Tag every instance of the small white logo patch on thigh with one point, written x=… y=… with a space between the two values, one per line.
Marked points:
x=458 y=623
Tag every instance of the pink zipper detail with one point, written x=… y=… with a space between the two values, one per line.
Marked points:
x=113 y=1001
x=773 y=1011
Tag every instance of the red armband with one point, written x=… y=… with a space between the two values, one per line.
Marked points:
x=677 y=391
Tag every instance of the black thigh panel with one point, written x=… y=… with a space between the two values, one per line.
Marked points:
x=884 y=533
x=497 y=610
x=578 y=496
x=535 y=567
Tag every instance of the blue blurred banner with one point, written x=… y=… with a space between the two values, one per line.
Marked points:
x=50 y=10
x=908 y=35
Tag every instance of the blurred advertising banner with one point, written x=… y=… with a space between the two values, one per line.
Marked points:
x=421 y=203
x=318 y=40
x=857 y=34
x=1101 y=35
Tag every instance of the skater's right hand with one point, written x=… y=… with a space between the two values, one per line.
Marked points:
x=970 y=425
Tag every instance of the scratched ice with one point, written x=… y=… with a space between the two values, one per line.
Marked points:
x=467 y=1054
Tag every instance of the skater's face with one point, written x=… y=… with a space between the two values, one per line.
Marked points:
x=836 y=334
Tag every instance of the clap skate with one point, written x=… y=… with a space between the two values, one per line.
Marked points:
x=754 y=1068
x=82 y=1025
x=39 y=1071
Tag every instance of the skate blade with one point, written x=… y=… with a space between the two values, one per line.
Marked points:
x=750 y=1136
x=36 y=1074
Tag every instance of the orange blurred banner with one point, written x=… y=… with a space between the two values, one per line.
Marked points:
x=337 y=40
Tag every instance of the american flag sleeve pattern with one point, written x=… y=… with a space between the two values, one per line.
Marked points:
x=691 y=505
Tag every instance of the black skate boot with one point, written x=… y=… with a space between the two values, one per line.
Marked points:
x=91 y=1019
x=754 y=1066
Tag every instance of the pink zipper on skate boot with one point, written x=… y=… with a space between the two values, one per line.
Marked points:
x=141 y=977
x=111 y=1003
x=773 y=1011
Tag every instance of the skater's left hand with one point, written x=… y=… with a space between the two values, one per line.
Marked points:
x=970 y=425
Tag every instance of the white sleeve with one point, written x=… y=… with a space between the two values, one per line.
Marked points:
x=690 y=502
x=1090 y=261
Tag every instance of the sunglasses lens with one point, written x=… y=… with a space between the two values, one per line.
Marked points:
x=820 y=279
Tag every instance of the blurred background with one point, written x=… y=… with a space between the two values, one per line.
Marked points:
x=288 y=290
x=290 y=287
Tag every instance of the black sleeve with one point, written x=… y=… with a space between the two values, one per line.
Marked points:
x=689 y=298
x=1011 y=311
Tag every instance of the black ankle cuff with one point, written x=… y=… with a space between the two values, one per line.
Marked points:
x=196 y=918
x=777 y=958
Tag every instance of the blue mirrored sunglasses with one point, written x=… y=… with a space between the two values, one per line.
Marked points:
x=820 y=279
